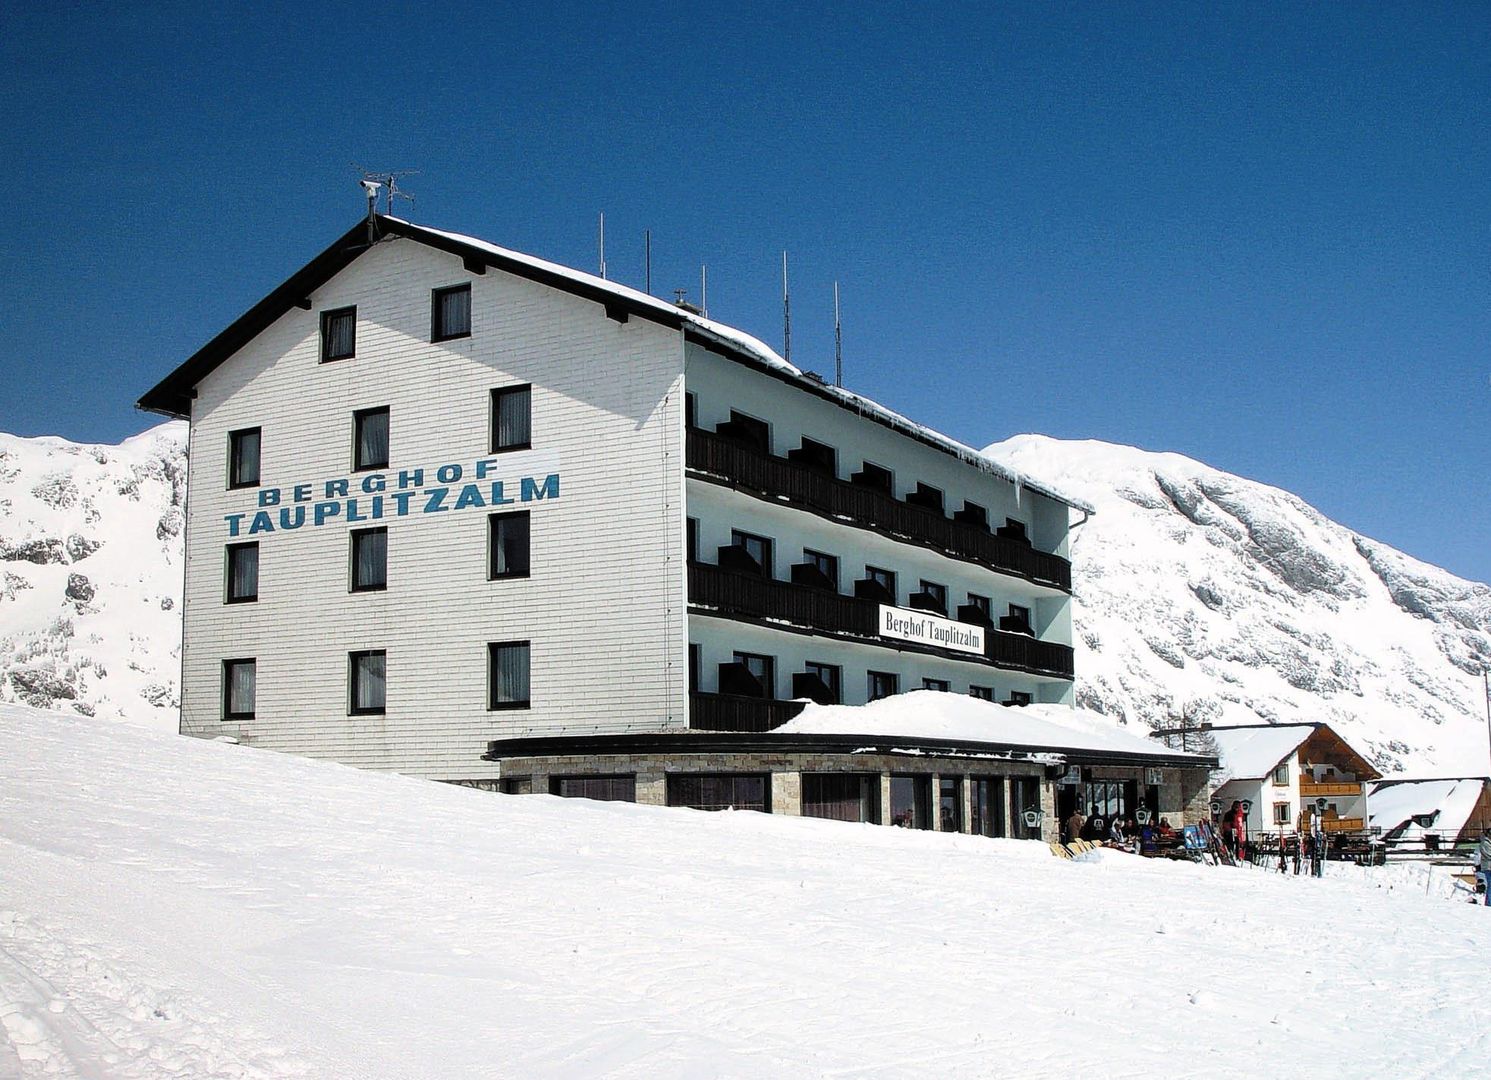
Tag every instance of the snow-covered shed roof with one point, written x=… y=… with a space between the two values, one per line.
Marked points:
x=172 y=396
x=937 y=717
x=1446 y=804
x=1251 y=753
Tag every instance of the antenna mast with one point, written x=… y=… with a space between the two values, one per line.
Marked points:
x=603 y=244
x=786 y=314
x=647 y=256
x=838 y=342
x=704 y=291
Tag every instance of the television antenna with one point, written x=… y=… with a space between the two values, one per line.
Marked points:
x=388 y=181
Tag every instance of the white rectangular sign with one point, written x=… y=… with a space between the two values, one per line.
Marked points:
x=926 y=629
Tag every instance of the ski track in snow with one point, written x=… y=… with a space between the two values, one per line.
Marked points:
x=176 y=908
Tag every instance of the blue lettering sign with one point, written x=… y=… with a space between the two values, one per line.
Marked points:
x=532 y=491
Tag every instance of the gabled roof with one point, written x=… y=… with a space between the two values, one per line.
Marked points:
x=173 y=395
x=1445 y=805
x=1253 y=751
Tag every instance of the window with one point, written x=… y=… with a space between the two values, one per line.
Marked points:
x=604 y=788
x=886 y=579
x=1281 y=775
x=911 y=801
x=986 y=799
x=450 y=313
x=243 y=573
x=693 y=669
x=1014 y=529
x=756 y=551
x=882 y=684
x=1017 y=621
x=366 y=671
x=746 y=430
x=978 y=609
x=719 y=791
x=692 y=537
x=950 y=804
x=239 y=689
x=507 y=666
x=932 y=597
x=1025 y=806
x=512 y=420
x=516 y=785
x=983 y=693
x=338 y=334
x=841 y=796
x=243 y=458
x=828 y=679
x=935 y=684
x=873 y=476
x=370 y=439
x=815 y=455
x=763 y=669
x=827 y=565
x=508 y=545
x=925 y=495
x=1018 y=697
x=1281 y=814
x=369 y=560
x=691 y=410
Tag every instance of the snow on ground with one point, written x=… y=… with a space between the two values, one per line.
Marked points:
x=180 y=908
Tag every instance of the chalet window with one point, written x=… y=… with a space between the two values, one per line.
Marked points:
x=931 y=597
x=243 y=458
x=1014 y=529
x=873 y=476
x=1281 y=775
x=508 y=674
x=720 y=791
x=762 y=670
x=882 y=684
x=1282 y=815
x=692 y=537
x=1017 y=621
x=512 y=419
x=822 y=683
x=366 y=676
x=243 y=573
x=239 y=689
x=691 y=410
x=508 y=541
x=841 y=796
x=370 y=439
x=338 y=334
x=885 y=579
x=516 y=785
x=983 y=693
x=927 y=496
x=911 y=801
x=746 y=430
x=950 y=804
x=816 y=455
x=972 y=514
x=1019 y=697
x=986 y=803
x=750 y=551
x=935 y=684
x=825 y=564
x=603 y=788
x=450 y=313
x=977 y=610
x=693 y=669
x=369 y=560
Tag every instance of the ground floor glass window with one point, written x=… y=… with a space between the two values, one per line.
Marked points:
x=603 y=788
x=720 y=791
x=841 y=796
x=911 y=802
x=986 y=805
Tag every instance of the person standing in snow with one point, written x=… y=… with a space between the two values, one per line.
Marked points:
x=1074 y=825
x=1238 y=820
x=1484 y=856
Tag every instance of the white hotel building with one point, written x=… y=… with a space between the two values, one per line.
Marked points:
x=465 y=514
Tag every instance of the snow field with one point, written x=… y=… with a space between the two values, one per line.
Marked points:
x=179 y=908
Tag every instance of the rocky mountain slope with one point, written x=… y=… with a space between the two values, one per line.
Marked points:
x=1199 y=594
x=1203 y=594
x=90 y=574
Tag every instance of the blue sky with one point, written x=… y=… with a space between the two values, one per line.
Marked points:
x=1253 y=234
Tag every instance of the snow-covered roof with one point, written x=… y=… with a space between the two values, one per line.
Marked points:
x=941 y=717
x=1251 y=753
x=1451 y=803
x=738 y=340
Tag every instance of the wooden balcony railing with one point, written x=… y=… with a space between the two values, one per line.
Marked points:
x=732 y=712
x=748 y=468
x=725 y=592
x=1311 y=789
x=1345 y=824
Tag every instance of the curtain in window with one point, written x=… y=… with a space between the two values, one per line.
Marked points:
x=455 y=312
x=513 y=412
x=371 y=559
x=372 y=440
x=510 y=674
x=341 y=335
x=243 y=571
x=368 y=681
x=510 y=545
x=246 y=458
x=241 y=688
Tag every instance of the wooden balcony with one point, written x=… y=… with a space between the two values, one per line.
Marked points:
x=1345 y=824
x=734 y=712
x=713 y=591
x=1309 y=789
x=748 y=468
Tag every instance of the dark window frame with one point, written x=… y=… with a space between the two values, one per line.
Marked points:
x=492 y=528
x=835 y=683
x=557 y=782
x=228 y=665
x=768 y=681
x=675 y=796
x=235 y=478
x=353 y=537
x=353 y=709
x=983 y=693
x=229 y=552
x=739 y=538
x=886 y=579
x=818 y=559
x=437 y=311
x=942 y=686
x=493 y=705
x=495 y=412
x=870 y=677
x=326 y=319
x=359 y=416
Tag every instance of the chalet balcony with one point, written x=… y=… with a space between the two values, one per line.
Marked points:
x=1309 y=789
x=1345 y=824
x=731 y=594
x=744 y=465
x=736 y=712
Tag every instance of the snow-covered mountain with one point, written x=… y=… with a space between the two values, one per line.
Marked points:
x=1204 y=594
x=90 y=574
x=1198 y=593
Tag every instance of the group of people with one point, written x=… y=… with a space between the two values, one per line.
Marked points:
x=1117 y=831
x=1234 y=829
